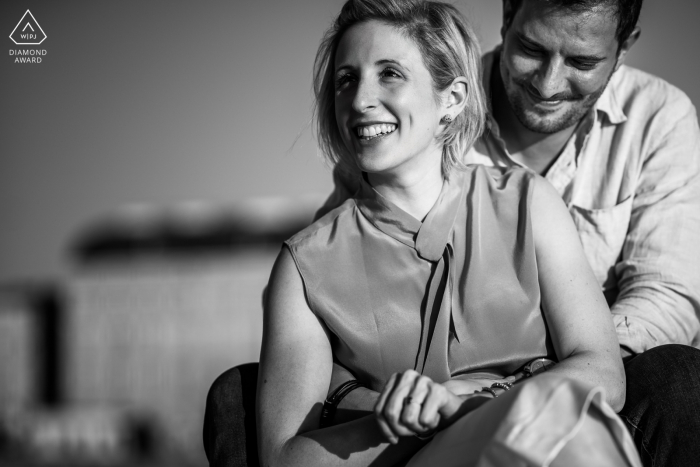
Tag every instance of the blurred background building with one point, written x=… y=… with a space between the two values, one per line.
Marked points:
x=150 y=167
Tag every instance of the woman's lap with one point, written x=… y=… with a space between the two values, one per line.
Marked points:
x=531 y=425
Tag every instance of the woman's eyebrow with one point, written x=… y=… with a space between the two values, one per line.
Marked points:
x=389 y=61
x=383 y=61
x=343 y=68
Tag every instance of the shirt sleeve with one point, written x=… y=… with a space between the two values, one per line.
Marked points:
x=659 y=271
x=343 y=189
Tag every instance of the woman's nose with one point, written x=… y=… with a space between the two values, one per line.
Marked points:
x=551 y=79
x=366 y=96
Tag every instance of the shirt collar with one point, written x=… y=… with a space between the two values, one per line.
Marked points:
x=429 y=237
x=608 y=102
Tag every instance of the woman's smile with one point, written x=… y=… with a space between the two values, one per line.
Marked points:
x=374 y=131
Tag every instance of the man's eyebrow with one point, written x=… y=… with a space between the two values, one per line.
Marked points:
x=584 y=58
x=588 y=58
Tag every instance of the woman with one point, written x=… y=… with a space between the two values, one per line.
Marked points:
x=435 y=280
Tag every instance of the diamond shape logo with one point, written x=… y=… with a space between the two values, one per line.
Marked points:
x=28 y=31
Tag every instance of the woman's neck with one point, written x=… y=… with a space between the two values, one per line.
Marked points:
x=415 y=192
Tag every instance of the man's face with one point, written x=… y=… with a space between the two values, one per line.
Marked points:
x=556 y=62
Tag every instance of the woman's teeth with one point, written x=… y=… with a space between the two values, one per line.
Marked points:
x=372 y=131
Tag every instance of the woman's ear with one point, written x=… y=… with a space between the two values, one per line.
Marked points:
x=455 y=97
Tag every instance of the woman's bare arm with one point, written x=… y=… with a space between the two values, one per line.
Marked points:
x=577 y=315
x=295 y=372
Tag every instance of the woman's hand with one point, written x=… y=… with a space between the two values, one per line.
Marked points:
x=412 y=404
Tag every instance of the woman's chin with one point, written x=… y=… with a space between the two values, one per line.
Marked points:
x=373 y=165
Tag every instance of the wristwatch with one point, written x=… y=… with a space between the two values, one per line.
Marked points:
x=537 y=365
x=533 y=367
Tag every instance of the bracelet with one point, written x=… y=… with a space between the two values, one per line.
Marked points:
x=331 y=403
x=490 y=391
x=502 y=385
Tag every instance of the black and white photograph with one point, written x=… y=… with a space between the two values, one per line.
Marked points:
x=349 y=233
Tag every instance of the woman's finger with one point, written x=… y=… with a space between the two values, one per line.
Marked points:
x=395 y=403
x=436 y=399
x=379 y=410
x=413 y=405
x=384 y=394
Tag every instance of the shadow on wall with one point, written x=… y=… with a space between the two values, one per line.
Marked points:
x=114 y=364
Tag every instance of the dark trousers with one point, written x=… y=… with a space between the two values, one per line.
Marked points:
x=230 y=438
x=662 y=410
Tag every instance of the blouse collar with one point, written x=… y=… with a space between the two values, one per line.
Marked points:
x=429 y=237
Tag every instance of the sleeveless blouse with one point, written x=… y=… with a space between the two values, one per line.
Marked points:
x=455 y=294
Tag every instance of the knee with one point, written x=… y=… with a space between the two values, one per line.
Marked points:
x=672 y=355
x=664 y=366
x=230 y=412
x=224 y=388
x=232 y=394
x=667 y=376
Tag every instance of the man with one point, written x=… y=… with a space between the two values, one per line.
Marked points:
x=623 y=149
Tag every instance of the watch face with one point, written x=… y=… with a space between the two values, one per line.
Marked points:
x=538 y=366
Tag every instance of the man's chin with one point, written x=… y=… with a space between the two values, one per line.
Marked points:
x=545 y=124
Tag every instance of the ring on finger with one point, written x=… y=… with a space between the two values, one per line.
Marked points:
x=409 y=400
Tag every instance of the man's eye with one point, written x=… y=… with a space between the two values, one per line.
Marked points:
x=584 y=65
x=529 y=50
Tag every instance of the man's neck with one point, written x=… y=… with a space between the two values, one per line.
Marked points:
x=537 y=151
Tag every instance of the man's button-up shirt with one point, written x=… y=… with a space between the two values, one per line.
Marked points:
x=630 y=176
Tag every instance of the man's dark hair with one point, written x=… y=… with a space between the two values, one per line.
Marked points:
x=627 y=12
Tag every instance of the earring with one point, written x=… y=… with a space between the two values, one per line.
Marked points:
x=447 y=119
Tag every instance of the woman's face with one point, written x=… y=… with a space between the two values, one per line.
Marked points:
x=385 y=106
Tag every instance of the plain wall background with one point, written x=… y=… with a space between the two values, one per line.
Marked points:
x=161 y=102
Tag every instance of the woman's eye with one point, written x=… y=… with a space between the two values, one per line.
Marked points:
x=390 y=73
x=341 y=80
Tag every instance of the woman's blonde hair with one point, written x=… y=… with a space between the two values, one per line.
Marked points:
x=449 y=49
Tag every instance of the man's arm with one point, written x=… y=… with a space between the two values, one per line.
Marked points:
x=659 y=273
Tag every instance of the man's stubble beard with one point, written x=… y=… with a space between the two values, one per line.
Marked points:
x=537 y=123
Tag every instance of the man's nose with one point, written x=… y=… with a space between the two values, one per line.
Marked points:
x=551 y=79
x=366 y=96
